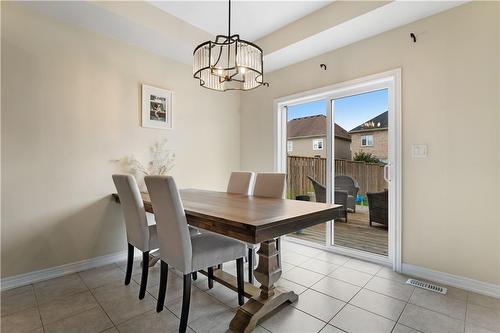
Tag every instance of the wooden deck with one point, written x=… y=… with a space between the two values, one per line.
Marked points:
x=356 y=233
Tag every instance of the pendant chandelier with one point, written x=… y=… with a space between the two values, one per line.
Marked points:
x=228 y=63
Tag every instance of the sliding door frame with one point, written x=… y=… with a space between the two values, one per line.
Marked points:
x=390 y=80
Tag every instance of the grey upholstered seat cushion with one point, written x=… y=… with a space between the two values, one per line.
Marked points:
x=210 y=250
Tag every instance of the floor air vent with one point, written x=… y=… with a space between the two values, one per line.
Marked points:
x=427 y=286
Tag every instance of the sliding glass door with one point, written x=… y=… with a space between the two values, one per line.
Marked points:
x=359 y=159
x=338 y=146
x=306 y=153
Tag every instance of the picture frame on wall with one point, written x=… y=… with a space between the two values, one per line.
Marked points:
x=156 y=107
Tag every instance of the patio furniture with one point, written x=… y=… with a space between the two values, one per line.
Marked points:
x=378 y=205
x=346 y=183
x=319 y=190
x=341 y=198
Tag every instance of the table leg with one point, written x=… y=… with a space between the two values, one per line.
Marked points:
x=267 y=273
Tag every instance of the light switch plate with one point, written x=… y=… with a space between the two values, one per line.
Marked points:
x=419 y=151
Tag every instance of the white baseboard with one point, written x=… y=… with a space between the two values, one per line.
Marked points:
x=53 y=272
x=469 y=284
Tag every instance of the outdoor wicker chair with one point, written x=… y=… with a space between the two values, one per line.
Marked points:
x=378 y=205
x=340 y=198
x=346 y=183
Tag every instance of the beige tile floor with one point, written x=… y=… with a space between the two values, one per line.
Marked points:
x=336 y=294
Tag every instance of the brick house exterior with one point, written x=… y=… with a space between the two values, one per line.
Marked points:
x=372 y=137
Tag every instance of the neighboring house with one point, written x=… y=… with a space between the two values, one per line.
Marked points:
x=372 y=137
x=307 y=137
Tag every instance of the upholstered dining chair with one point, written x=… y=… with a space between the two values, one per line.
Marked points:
x=240 y=182
x=140 y=227
x=183 y=251
x=269 y=185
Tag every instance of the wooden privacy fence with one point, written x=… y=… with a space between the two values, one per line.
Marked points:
x=369 y=176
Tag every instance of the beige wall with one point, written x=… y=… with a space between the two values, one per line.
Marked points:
x=342 y=149
x=304 y=147
x=71 y=103
x=450 y=101
x=380 y=146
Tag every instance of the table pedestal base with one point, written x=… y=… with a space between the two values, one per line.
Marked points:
x=249 y=314
x=267 y=273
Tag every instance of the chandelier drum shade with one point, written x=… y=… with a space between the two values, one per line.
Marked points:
x=228 y=63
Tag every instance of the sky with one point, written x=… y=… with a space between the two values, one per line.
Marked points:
x=350 y=111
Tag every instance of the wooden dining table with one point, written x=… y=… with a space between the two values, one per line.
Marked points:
x=256 y=220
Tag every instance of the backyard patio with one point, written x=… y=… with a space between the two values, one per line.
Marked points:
x=356 y=233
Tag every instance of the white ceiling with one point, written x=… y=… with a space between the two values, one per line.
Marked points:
x=256 y=19
x=250 y=19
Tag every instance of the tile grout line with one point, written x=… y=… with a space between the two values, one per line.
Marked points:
x=156 y=299
x=404 y=308
x=373 y=275
x=466 y=309
x=363 y=287
x=98 y=303
x=439 y=312
x=307 y=288
x=345 y=303
x=406 y=302
x=38 y=307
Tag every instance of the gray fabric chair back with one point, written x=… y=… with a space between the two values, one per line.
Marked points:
x=171 y=223
x=240 y=182
x=271 y=185
x=132 y=205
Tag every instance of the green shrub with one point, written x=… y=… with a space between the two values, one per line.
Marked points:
x=365 y=157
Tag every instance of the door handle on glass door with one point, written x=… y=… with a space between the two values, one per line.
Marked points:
x=386 y=173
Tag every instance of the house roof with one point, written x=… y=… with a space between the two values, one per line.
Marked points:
x=380 y=122
x=313 y=126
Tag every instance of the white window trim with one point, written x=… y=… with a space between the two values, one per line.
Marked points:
x=316 y=142
x=289 y=146
x=365 y=136
x=391 y=79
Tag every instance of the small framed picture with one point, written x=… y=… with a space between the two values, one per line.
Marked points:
x=156 y=107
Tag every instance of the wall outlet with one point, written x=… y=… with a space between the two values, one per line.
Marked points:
x=419 y=151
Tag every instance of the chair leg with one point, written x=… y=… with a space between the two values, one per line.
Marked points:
x=250 y=265
x=186 y=298
x=210 y=277
x=195 y=275
x=240 y=282
x=130 y=263
x=162 y=291
x=144 y=276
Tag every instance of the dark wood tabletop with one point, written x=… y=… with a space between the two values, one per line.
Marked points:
x=248 y=218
